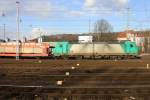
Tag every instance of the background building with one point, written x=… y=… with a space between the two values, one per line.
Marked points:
x=133 y=36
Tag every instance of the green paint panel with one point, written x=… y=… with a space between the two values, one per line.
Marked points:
x=61 y=48
x=131 y=48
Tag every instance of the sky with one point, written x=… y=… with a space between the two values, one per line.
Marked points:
x=49 y=17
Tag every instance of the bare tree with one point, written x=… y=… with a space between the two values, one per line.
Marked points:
x=102 y=26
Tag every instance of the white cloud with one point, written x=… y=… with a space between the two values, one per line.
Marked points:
x=39 y=8
x=105 y=4
x=90 y=3
x=7 y=5
x=75 y=13
x=45 y=8
x=123 y=1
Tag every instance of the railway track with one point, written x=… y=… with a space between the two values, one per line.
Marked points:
x=77 y=94
x=103 y=84
x=92 y=80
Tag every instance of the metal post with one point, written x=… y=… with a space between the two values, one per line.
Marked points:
x=128 y=18
x=17 y=34
x=3 y=15
x=147 y=17
x=4 y=36
x=97 y=30
x=89 y=25
x=4 y=31
x=148 y=45
x=40 y=37
x=93 y=50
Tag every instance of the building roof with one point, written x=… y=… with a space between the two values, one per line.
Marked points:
x=122 y=35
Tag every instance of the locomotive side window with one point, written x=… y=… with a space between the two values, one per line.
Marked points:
x=60 y=45
x=131 y=45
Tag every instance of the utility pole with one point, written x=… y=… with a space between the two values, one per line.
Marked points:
x=97 y=31
x=147 y=18
x=3 y=15
x=128 y=18
x=40 y=37
x=148 y=44
x=4 y=31
x=89 y=25
x=17 y=34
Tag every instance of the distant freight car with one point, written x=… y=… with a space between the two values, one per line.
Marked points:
x=25 y=49
x=126 y=49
